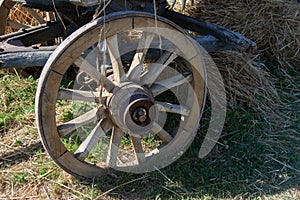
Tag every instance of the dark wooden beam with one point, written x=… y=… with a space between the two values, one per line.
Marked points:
x=28 y=57
x=228 y=37
x=24 y=59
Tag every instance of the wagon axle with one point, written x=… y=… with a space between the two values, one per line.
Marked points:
x=132 y=108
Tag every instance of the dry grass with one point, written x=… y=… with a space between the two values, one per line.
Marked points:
x=273 y=25
x=249 y=84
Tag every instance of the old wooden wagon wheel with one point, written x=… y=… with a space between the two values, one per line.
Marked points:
x=124 y=92
x=26 y=17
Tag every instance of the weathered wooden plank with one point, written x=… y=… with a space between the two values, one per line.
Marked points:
x=24 y=59
x=39 y=58
x=229 y=37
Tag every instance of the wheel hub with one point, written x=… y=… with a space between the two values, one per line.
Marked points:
x=132 y=109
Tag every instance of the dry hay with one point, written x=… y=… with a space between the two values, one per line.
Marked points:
x=249 y=85
x=20 y=15
x=273 y=24
x=275 y=27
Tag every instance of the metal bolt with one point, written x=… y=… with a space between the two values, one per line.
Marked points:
x=140 y=115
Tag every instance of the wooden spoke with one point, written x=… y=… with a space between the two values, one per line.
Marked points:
x=156 y=68
x=139 y=57
x=82 y=120
x=172 y=108
x=113 y=48
x=80 y=95
x=135 y=73
x=94 y=74
x=114 y=144
x=172 y=82
x=17 y=25
x=91 y=70
x=142 y=49
x=86 y=146
x=35 y=15
x=164 y=135
x=138 y=149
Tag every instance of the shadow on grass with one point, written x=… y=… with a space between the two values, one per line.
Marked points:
x=255 y=164
x=19 y=155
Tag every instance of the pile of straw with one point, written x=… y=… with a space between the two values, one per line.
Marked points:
x=275 y=27
x=273 y=24
x=249 y=85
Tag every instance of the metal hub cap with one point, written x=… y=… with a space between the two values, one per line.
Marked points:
x=132 y=109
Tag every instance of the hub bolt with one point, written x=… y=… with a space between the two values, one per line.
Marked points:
x=139 y=115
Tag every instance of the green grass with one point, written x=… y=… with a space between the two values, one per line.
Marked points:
x=258 y=160
x=17 y=99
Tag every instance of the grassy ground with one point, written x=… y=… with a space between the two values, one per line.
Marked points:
x=262 y=161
